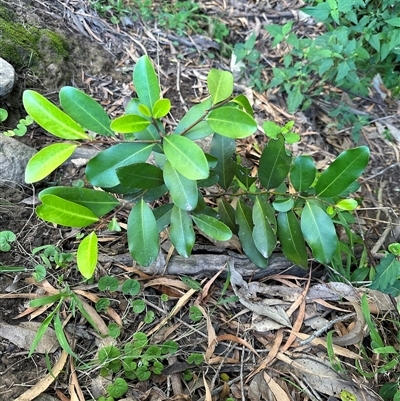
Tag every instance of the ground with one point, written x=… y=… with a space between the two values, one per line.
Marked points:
x=102 y=57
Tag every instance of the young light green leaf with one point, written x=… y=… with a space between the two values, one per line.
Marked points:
x=60 y=211
x=143 y=240
x=220 y=85
x=231 y=122
x=319 y=232
x=195 y=113
x=99 y=202
x=347 y=167
x=303 y=172
x=263 y=235
x=140 y=175
x=245 y=222
x=274 y=163
x=130 y=123
x=212 y=227
x=161 y=108
x=86 y=256
x=146 y=82
x=85 y=110
x=47 y=160
x=244 y=103
x=291 y=239
x=51 y=118
x=186 y=157
x=101 y=170
x=62 y=339
x=347 y=204
x=181 y=232
x=182 y=190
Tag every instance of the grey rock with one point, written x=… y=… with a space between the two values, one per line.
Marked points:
x=14 y=157
x=7 y=77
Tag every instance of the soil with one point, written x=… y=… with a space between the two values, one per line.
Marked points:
x=101 y=62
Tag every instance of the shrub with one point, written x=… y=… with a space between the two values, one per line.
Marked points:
x=287 y=199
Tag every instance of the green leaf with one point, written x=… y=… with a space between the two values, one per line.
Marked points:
x=244 y=103
x=130 y=123
x=40 y=333
x=99 y=202
x=51 y=118
x=182 y=190
x=347 y=204
x=186 y=157
x=146 y=82
x=274 y=163
x=140 y=175
x=283 y=204
x=223 y=148
x=161 y=108
x=130 y=287
x=61 y=338
x=245 y=222
x=181 y=232
x=108 y=283
x=319 y=232
x=227 y=215
x=291 y=239
x=85 y=110
x=163 y=216
x=60 y=211
x=86 y=256
x=195 y=113
x=143 y=241
x=302 y=174
x=212 y=227
x=263 y=235
x=118 y=388
x=231 y=122
x=387 y=273
x=347 y=167
x=101 y=170
x=394 y=21
x=220 y=85
x=47 y=160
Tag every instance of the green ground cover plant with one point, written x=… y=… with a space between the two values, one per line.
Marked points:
x=21 y=127
x=287 y=201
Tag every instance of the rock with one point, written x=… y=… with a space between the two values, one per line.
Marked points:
x=14 y=156
x=7 y=77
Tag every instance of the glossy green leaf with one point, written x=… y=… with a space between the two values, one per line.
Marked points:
x=263 y=235
x=86 y=256
x=140 y=175
x=347 y=167
x=130 y=123
x=182 y=190
x=161 y=108
x=163 y=215
x=85 y=110
x=223 y=148
x=231 y=122
x=220 y=85
x=291 y=239
x=303 y=173
x=283 y=204
x=60 y=211
x=143 y=240
x=186 y=157
x=181 y=232
x=245 y=222
x=227 y=215
x=243 y=174
x=146 y=82
x=244 y=103
x=274 y=163
x=99 y=202
x=51 y=118
x=195 y=114
x=319 y=232
x=212 y=227
x=101 y=170
x=47 y=160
